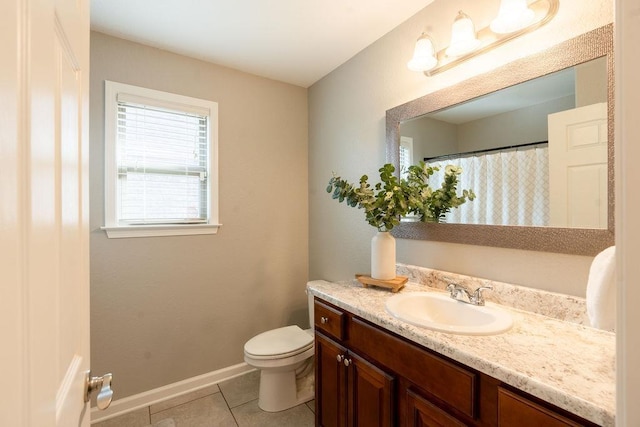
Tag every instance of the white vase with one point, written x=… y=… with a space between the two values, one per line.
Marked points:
x=383 y=256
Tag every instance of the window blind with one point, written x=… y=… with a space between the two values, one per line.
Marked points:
x=162 y=163
x=405 y=158
x=406 y=155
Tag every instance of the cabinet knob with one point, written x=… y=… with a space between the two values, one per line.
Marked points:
x=347 y=362
x=340 y=358
x=324 y=320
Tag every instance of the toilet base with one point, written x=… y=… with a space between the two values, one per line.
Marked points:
x=280 y=390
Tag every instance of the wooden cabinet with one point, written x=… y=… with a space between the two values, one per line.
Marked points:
x=514 y=409
x=367 y=376
x=422 y=413
x=330 y=320
x=349 y=390
x=370 y=394
x=331 y=383
x=441 y=379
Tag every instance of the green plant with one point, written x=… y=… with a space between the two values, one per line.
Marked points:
x=393 y=198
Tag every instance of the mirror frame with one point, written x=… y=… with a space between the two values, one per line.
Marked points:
x=576 y=241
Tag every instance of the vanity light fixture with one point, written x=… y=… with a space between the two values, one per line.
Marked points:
x=513 y=15
x=514 y=18
x=463 y=36
x=424 y=58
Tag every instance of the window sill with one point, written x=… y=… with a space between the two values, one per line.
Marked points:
x=160 y=230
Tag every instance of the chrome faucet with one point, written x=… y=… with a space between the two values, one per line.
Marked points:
x=459 y=293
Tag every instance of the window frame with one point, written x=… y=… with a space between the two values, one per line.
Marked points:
x=112 y=227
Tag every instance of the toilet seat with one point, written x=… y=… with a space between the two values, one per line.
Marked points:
x=279 y=343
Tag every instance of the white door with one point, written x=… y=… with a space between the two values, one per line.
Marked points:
x=578 y=167
x=44 y=228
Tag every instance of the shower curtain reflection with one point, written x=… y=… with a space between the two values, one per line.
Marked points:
x=511 y=185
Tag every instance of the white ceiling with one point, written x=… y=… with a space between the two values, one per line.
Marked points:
x=294 y=41
x=533 y=92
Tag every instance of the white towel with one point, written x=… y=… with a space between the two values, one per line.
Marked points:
x=601 y=290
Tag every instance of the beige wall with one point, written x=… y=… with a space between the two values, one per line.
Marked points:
x=503 y=130
x=591 y=78
x=431 y=137
x=347 y=135
x=164 y=309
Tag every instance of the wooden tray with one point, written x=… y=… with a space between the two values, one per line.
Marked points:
x=394 y=284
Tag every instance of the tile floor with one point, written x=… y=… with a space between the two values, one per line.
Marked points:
x=232 y=403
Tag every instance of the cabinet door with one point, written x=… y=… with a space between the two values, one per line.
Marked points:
x=515 y=410
x=422 y=413
x=370 y=392
x=331 y=383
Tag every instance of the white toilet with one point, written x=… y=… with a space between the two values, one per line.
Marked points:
x=285 y=359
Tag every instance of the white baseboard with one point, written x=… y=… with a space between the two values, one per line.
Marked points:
x=137 y=401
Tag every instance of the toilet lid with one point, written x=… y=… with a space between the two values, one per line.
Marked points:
x=277 y=342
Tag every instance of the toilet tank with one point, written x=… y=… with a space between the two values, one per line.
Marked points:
x=310 y=301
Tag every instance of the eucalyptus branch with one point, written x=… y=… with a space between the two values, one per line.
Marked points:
x=393 y=198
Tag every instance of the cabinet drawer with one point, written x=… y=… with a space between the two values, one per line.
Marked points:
x=328 y=319
x=449 y=382
x=515 y=410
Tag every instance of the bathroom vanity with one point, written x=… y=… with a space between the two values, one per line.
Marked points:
x=375 y=370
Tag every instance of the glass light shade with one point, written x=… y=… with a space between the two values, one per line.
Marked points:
x=463 y=36
x=513 y=15
x=424 y=58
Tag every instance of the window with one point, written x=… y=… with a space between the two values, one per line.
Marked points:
x=161 y=173
x=406 y=155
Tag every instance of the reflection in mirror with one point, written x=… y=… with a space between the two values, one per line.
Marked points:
x=534 y=153
x=562 y=228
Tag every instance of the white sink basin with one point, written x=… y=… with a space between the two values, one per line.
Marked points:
x=442 y=313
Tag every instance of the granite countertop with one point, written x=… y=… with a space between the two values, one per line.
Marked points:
x=567 y=364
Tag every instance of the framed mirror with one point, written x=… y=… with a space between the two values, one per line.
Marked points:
x=575 y=74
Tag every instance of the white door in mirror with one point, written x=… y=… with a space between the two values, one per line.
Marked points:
x=578 y=167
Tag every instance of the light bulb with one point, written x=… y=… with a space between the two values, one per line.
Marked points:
x=513 y=15
x=423 y=55
x=463 y=36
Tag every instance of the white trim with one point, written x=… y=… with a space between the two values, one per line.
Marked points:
x=148 y=97
x=160 y=230
x=407 y=142
x=141 y=400
x=627 y=155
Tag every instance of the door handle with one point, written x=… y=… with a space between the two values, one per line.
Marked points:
x=103 y=383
